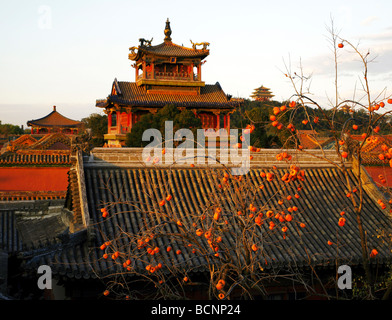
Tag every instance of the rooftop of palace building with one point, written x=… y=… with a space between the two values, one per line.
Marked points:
x=120 y=180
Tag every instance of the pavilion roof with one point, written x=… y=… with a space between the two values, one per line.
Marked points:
x=54 y=119
x=51 y=143
x=130 y=94
x=24 y=140
x=168 y=48
x=262 y=92
x=262 y=89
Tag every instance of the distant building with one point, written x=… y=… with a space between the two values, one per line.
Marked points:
x=346 y=109
x=54 y=122
x=375 y=166
x=33 y=169
x=311 y=139
x=165 y=74
x=262 y=94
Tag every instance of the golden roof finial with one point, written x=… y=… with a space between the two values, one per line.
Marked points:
x=167 y=30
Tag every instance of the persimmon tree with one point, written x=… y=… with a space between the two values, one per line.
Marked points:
x=225 y=237
x=368 y=114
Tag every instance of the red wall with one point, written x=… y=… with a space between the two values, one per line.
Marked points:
x=34 y=179
x=386 y=171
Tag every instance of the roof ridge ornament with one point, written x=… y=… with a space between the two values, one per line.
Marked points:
x=148 y=42
x=167 y=31
x=204 y=44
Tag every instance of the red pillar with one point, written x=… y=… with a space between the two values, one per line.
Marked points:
x=109 y=122
x=129 y=120
x=118 y=121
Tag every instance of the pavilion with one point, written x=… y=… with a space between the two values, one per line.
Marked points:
x=165 y=74
x=54 y=122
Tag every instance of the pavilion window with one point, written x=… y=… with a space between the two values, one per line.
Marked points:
x=195 y=73
x=114 y=119
x=112 y=122
x=139 y=72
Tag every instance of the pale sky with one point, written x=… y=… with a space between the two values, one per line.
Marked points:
x=67 y=53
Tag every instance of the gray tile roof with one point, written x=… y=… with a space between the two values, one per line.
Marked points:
x=9 y=236
x=132 y=193
x=29 y=224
